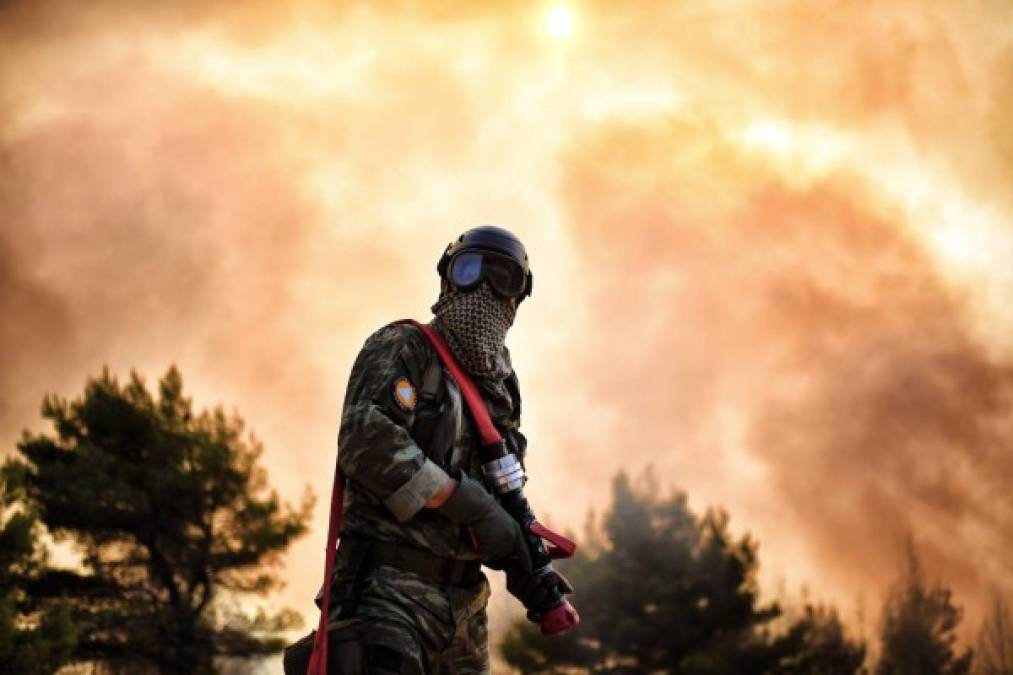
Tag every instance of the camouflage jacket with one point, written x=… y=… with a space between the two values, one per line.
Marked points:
x=404 y=428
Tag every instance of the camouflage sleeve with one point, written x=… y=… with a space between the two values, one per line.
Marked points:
x=375 y=448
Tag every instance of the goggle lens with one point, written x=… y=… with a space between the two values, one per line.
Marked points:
x=505 y=276
x=466 y=269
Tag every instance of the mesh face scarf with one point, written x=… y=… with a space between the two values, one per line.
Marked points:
x=475 y=324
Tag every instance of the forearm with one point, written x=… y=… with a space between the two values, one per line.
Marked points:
x=381 y=457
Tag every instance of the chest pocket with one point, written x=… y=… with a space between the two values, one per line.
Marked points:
x=438 y=418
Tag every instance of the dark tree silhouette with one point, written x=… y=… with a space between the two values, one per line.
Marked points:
x=918 y=627
x=817 y=644
x=660 y=589
x=173 y=517
x=36 y=638
x=995 y=640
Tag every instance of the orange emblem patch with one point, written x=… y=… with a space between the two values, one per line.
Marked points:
x=404 y=394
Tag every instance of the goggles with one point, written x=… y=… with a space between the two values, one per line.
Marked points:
x=506 y=278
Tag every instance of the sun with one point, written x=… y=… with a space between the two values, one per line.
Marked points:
x=559 y=21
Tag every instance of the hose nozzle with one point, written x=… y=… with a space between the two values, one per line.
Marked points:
x=559 y=619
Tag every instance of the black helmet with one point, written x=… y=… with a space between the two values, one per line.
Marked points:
x=501 y=260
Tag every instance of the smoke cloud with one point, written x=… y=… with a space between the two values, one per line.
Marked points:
x=793 y=353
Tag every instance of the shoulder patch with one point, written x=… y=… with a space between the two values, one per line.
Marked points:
x=404 y=394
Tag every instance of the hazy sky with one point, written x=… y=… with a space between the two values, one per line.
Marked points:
x=772 y=244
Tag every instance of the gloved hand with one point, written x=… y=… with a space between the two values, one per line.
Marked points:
x=498 y=536
x=535 y=591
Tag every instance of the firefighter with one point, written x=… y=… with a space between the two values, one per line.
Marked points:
x=408 y=593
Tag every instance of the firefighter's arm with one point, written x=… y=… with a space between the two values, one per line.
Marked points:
x=375 y=448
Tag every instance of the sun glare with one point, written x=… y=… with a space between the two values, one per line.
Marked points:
x=559 y=21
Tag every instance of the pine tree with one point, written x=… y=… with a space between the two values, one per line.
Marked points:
x=918 y=634
x=817 y=644
x=661 y=589
x=173 y=517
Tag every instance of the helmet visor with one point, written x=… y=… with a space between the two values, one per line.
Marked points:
x=505 y=276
